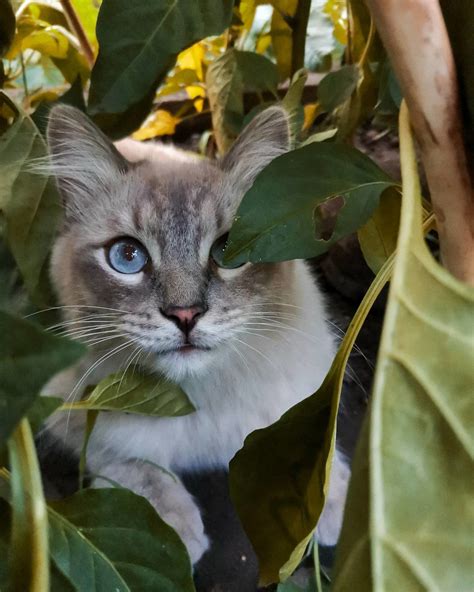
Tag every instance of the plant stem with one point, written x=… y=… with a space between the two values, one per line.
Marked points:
x=78 y=30
x=29 y=543
x=298 y=35
x=414 y=34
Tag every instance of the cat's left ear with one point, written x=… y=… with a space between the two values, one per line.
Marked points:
x=265 y=137
x=82 y=158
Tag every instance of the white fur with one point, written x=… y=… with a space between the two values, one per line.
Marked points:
x=233 y=398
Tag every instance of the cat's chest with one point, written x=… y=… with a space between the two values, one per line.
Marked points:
x=209 y=437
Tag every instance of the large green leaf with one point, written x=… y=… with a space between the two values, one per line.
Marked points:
x=278 y=480
x=112 y=539
x=133 y=392
x=227 y=78
x=28 y=358
x=139 y=43
x=7 y=26
x=29 y=202
x=278 y=218
x=409 y=519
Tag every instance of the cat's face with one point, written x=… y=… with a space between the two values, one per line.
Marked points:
x=133 y=263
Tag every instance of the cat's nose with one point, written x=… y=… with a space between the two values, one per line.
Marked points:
x=184 y=317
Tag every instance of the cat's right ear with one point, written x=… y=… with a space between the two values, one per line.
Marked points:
x=82 y=159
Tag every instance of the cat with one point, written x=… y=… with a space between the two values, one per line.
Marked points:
x=133 y=271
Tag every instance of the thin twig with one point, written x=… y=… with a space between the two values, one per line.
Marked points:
x=78 y=30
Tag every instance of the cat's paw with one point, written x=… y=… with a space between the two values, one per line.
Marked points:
x=330 y=522
x=186 y=519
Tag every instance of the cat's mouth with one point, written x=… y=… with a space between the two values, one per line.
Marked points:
x=186 y=349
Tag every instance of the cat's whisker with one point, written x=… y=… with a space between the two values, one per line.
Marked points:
x=258 y=352
x=127 y=364
x=84 y=320
x=241 y=355
x=77 y=306
x=75 y=333
x=101 y=360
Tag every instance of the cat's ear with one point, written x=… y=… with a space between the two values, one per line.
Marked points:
x=265 y=137
x=82 y=158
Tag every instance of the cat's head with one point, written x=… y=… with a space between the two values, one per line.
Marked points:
x=133 y=263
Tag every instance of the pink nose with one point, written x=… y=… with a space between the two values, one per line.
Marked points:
x=185 y=318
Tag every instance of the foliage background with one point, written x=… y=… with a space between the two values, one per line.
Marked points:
x=204 y=69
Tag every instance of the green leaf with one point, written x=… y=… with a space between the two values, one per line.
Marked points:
x=278 y=218
x=292 y=102
x=138 y=45
x=28 y=358
x=133 y=392
x=278 y=479
x=41 y=409
x=337 y=87
x=227 y=78
x=7 y=26
x=408 y=523
x=29 y=202
x=378 y=236
x=112 y=539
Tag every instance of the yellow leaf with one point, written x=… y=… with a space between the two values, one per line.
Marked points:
x=51 y=41
x=311 y=111
x=161 y=123
x=247 y=12
x=337 y=12
x=263 y=43
x=195 y=91
x=192 y=58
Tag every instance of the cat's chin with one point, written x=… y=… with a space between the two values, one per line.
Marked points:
x=183 y=362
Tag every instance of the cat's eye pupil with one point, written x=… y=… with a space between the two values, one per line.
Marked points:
x=127 y=255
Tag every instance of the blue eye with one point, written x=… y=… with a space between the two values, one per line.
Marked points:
x=127 y=255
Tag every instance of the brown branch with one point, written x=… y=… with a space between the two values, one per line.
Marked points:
x=298 y=35
x=78 y=30
x=415 y=36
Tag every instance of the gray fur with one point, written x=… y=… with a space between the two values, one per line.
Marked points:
x=262 y=345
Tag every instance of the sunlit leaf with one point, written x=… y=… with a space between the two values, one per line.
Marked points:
x=87 y=11
x=28 y=202
x=337 y=11
x=50 y=41
x=281 y=34
x=28 y=358
x=119 y=543
x=139 y=43
x=279 y=219
x=161 y=123
x=193 y=58
x=409 y=519
x=132 y=392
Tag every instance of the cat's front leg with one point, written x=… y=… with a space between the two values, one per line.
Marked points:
x=330 y=522
x=167 y=495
